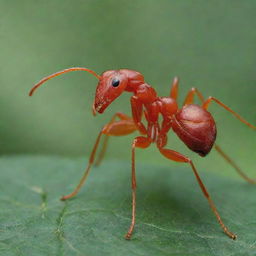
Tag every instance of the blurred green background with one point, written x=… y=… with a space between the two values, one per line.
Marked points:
x=208 y=44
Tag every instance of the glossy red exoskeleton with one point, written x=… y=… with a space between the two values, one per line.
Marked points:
x=193 y=124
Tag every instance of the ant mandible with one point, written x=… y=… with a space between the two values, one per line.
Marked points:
x=193 y=124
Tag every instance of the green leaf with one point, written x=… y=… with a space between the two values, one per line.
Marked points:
x=173 y=217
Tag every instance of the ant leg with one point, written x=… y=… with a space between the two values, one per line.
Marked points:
x=190 y=96
x=118 y=128
x=177 y=157
x=190 y=99
x=101 y=155
x=210 y=99
x=233 y=164
x=174 y=88
x=102 y=151
x=138 y=142
x=137 y=113
x=91 y=160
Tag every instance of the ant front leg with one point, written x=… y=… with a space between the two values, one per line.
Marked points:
x=190 y=100
x=177 y=157
x=138 y=142
x=137 y=111
x=130 y=126
x=118 y=128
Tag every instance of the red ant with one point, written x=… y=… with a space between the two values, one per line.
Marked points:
x=193 y=124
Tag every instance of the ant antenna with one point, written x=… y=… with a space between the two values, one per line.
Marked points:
x=60 y=73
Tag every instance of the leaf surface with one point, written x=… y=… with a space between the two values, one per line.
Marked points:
x=173 y=218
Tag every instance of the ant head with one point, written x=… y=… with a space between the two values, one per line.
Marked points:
x=111 y=84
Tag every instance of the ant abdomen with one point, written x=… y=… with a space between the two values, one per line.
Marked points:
x=196 y=128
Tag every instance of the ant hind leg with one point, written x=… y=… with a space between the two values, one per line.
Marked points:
x=178 y=157
x=234 y=165
x=241 y=119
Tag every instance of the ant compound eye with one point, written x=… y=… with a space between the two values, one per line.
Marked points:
x=115 y=82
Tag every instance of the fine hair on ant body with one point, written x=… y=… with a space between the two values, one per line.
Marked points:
x=193 y=124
